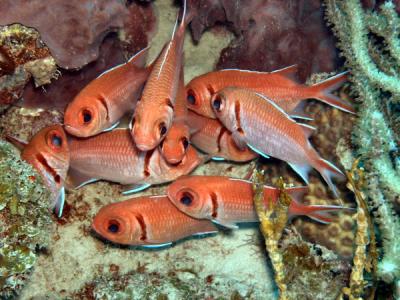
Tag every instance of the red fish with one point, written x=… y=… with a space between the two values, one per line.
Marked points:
x=103 y=102
x=48 y=153
x=147 y=221
x=154 y=113
x=277 y=85
x=176 y=142
x=210 y=136
x=261 y=124
x=113 y=156
x=228 y=201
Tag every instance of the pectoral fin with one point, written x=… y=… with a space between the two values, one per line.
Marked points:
x=258 y=151
x=134 y=188
x=59 y=204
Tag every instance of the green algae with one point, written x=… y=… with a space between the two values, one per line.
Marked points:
x=25 y=220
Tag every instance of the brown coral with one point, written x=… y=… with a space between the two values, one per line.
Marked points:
x=271 y=34
x=73 y=30
x=22 y=56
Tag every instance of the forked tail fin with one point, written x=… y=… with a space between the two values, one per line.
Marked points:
x=323 y=92
x=329 y=171
x=319 y=213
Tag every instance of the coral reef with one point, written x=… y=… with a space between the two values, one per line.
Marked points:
x=84 y=25
x=311 y=270
x=370 y=43
x=137 y=29
x=25 y=221
x=270 y=34
x=273 y=220
x=22 y=56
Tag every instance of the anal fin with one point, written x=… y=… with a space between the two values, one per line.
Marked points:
x=156 y=246
x=301 y=170
x=134 y=188
x=226 y=224
x=77 y=179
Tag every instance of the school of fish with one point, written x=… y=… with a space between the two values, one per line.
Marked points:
x=234 y=115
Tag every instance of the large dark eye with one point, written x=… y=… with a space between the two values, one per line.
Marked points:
x=113 y=226
x=186 y=199
x=56 y=140
x=217 y=103
x=185 y=143
x=86 y=116
x=191 y=99
x=163 y=128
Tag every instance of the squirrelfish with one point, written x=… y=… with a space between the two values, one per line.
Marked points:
x=227 y=201
x=147 y=221
x=154 y=113
x=48 y=153
x=278 y=86
x=261 y=124
x=210 y=136
x=176 y=142
x=113 y=156
x=103 y=102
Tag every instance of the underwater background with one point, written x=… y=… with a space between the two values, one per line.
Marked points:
x=49 y=52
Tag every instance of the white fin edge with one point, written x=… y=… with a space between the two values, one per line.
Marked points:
x=276 y=106
x=111 y=127
x=136 y=189
x=155 y=246
x=138 y=53
x=258 y=151
x=227 y=225
x=86 y=182
x=59 y=207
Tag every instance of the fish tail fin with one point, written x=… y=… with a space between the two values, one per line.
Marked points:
x=323 y=92
x=319 y=213
x=16 y=142
x=329 y=171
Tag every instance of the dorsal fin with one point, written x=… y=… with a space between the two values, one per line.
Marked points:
x=307 y=129
x=16 y=142
x=139 y=59
x=289 y=72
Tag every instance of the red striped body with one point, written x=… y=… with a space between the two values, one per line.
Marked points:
x=210 y=136
x=176 y=142
x=113 y=156
x=107 y=98
x=278 y=86
x=228 y=201
x=258 y=122
x=147 y=221
x=155 y=111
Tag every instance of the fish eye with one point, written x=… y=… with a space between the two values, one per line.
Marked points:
x=191 y=99
x=56 y=140
x=86 y=116
x=113 y=226
x=163 y=128
x=217 y=103
x=186 y=199
x=185 y=143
